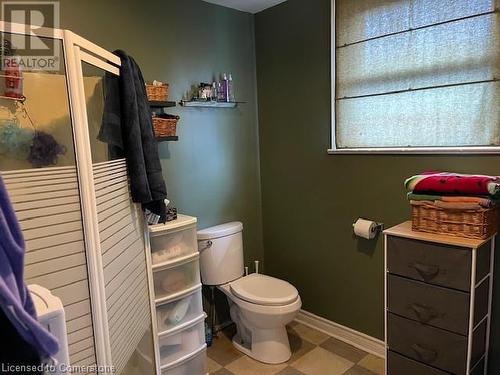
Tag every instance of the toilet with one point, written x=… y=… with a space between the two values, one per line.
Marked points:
x=261 y=306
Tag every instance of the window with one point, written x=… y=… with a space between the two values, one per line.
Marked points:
x=415 y=76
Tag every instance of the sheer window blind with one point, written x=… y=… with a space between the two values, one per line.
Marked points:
x=416 y=73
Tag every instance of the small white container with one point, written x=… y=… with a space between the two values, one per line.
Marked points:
x=193 y=364
x=173 y=239
x=179 y=310
x=173 y=277
x=182 y=341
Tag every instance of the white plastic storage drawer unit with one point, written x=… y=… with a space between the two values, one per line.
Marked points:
x=182 y=341
x=177 y=276
x=193 y=364
x=179 y=309
x=173 y=240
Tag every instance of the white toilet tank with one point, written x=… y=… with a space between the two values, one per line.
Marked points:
x=221 y=253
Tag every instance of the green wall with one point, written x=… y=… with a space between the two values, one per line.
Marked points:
x=213 y=171
x=310 y=199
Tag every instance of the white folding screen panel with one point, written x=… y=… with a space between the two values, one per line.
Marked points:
x=85 y=237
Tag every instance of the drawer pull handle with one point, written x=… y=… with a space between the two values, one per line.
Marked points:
x=427 y=272
x=425 y=314
x=424 y=354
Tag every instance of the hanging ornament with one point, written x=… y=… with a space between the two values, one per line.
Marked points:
x=45 y=150
x=14 y=140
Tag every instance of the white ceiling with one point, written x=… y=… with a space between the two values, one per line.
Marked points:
x=251 y=6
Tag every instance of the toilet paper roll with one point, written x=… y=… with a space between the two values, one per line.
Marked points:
x=365 y=228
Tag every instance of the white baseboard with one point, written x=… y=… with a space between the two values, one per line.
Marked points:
x=348 y=335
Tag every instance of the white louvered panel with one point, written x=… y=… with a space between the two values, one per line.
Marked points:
x=47 y=205
x=58 y=279
x=128 y=295
x=7 y=175
x=54 y=252
x=27 y=205
x=46 y=267
x=114 y=284
x=77 y=309
x=110 y=216
x=115 y=267
x=40 y=222
x=47 y=211
x=122 y=247
x=84 y=354
x=118 y=243
x=81 y=335
x=82 y=349
x=122 y=221
x=112 y=179
x=46 y=242
x=108 y=165
x=51 y=230
x=42 y=189
x=46 y=183
x=79 y=323
x=114 y=297
x=72 y=293
x=42 y=196
x=111 y=202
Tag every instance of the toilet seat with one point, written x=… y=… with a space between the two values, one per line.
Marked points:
x=264 y=290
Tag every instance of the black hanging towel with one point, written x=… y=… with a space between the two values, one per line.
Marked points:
x=128 y=129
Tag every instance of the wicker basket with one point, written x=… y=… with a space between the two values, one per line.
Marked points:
x=479 y=224
x=157 y=92
x=165 y=127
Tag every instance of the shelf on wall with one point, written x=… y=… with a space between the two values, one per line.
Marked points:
x=171 y=138
x=161 y=104
x=207 y=104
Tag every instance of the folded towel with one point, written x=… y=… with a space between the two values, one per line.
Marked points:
x=453 y=183
x=482 y=201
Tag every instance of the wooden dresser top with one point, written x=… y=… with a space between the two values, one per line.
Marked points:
x=404 y=230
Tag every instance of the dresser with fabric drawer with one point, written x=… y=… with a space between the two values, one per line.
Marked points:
x=437 y=303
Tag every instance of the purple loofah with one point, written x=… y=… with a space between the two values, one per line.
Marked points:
x=45 y=150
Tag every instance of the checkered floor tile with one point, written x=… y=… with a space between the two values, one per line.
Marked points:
x=313 y=353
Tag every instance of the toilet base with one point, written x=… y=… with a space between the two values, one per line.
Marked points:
x=268 y=345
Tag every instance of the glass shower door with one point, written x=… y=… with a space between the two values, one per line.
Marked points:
x=125 y=263
x=38 y=166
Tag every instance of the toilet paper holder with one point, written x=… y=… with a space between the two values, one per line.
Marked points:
x=373 y=228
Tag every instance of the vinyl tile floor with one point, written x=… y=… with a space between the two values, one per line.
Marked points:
x=313 y=353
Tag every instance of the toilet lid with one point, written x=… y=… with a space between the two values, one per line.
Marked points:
x=264 y=290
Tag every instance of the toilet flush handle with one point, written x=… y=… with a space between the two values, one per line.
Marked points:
x=208 y=245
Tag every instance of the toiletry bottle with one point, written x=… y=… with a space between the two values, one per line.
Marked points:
x=215 y=92
x=224 y=88
x=230 y=89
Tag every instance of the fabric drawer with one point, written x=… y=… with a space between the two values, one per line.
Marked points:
x=194 y=364
x=179 y=310
x=399 y=365
x=177 y=243
x=435 y=347
x=433 y=263
x=172 y=278
x=429 y=304
x=182 y=341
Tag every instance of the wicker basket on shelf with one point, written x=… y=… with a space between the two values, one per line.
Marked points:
x=165 y=126
x=479 y=224
x=158 y=92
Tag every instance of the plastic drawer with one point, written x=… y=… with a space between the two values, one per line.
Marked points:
x=193 y=364
x=182 y=341
x=174 y=277
x=172 y=244
x=179 y=310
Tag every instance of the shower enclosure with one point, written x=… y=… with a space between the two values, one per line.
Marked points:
x=86 y=241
